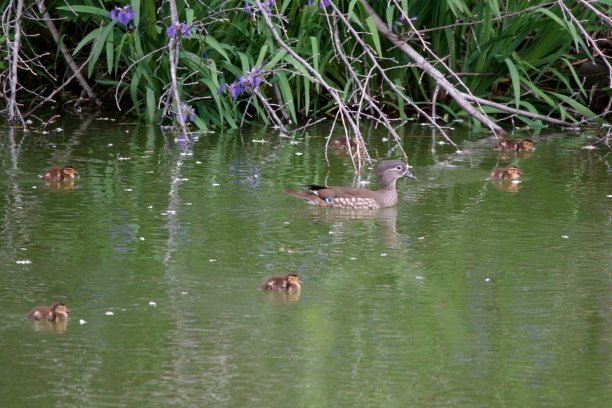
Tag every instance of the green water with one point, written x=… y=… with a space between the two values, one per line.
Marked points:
x=464 y=295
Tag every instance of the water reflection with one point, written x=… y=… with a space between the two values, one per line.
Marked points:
x=46 y=326
x=453 y=291
x=511 y=186
x=61 y=185
x=384 y=220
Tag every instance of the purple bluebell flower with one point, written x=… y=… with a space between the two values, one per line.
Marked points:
x=324 y=3
x=171 y=31
x=404 y=20
x=309 y=3
x=236 y=89
x=221 y=88
x=177 y=27
x=253 y=78
x=247 y=8
x=185 y=30
x=185 y=112
x=123 y=15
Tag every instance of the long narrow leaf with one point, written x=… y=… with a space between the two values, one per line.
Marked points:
x=516 y=83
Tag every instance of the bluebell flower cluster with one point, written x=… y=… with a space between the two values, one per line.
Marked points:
x=123 y=15
x=266 y=5
x=176 y=28
x=246 y=83
x=185 y=112
x=404 y=20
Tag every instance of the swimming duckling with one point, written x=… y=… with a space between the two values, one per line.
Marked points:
x=58 y=312
x=66 y=173
x=505 y=173
x=514 y=145
x=290 y=282
x=341 y=143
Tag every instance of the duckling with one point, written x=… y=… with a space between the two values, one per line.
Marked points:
x=526 y=145
x=58 y=312
x=514 y=145
x=290 y=282
x=341 y=143
x=505 y=173
x=66 y=173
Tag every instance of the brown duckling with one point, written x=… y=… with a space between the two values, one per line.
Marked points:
x=505 y=173
x=514 y=145
x=58 y=312
x=66 y=173
x=342 y=143
x=290 y=282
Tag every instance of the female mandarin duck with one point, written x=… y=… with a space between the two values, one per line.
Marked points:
x=505 y=173
x=348 y=197
x=66 y=173
x=521 y=145
x=58 y=312
x=290 y=282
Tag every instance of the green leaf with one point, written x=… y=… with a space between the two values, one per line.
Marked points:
x=578 y=107
x=136 y=7
x=86 y=10
x=375 y=37
x=188 y=16
x=314 y=47
x=285 y=89
x=214 y=44
x=277 y=57
x=87 y=39
x=516 y=82
x=151 y=105
x=98 y=47
x=109 y=56
x=262 y=55
x=575 y=75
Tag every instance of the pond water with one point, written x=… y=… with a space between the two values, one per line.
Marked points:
x=467 y=294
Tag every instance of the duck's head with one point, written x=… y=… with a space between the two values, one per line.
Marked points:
x=526 y=145
x=391 y=170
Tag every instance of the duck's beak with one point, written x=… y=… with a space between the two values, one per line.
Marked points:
x=409 y=174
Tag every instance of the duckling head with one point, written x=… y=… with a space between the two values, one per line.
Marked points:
x=69 y=172
x=60 y=309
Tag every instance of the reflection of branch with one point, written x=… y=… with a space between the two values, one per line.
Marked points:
x=458 y=96
x=66 y=53
x=13 y=109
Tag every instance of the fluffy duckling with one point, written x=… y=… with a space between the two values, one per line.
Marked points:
x=514 y=145
x=290 y=282
x=58 y=312
x=505 y=173
x=341 y=143
x=66 y=173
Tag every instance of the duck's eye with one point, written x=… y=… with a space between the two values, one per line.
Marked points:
x=398 y=168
